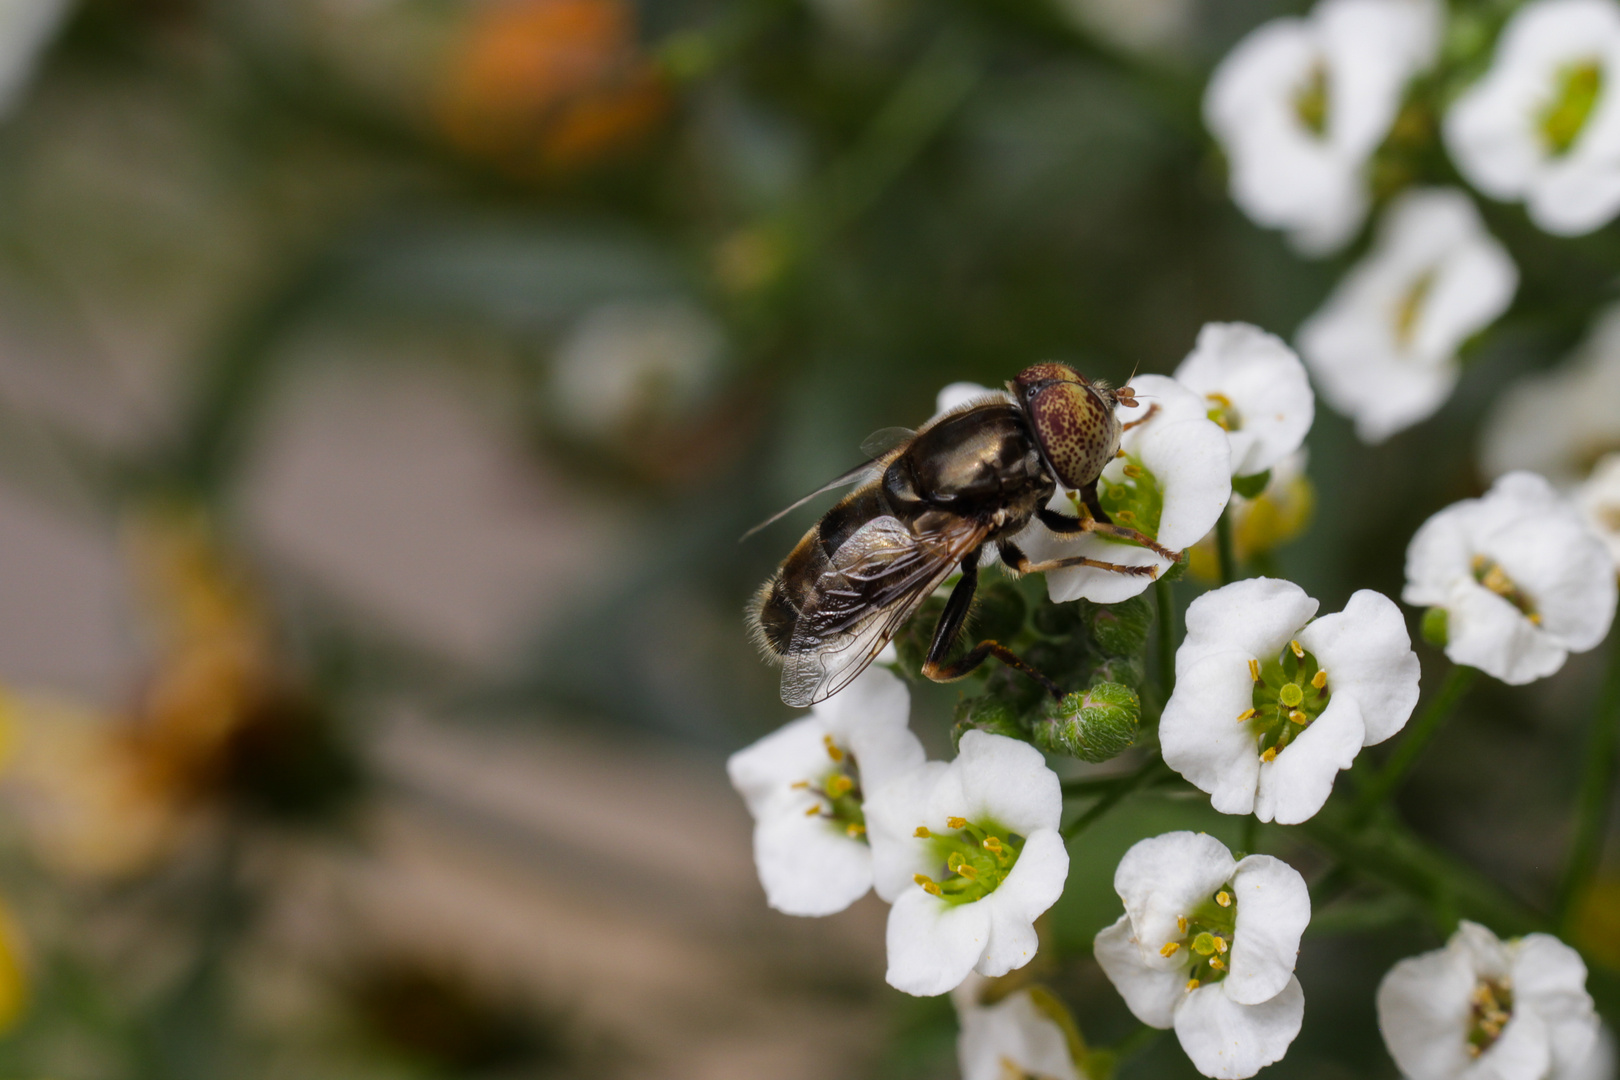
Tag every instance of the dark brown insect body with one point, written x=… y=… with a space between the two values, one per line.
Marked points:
x=928 y=507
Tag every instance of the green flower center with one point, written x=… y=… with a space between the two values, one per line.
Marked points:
x=1489 y=573
x=1136 y=501
x=977 y=859
x=1290 y=692
x=1206 y=938
x=838 y=793
x=1579 y=86
x=1411 y=306
x=1490 y=1008
x=1311 y=101
x=1223 y=412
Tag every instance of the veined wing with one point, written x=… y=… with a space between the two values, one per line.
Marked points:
x=878 y=577
x=879 y=448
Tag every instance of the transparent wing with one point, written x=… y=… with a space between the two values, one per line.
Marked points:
x=881 y=441
x=858 y=475
x=877 y=578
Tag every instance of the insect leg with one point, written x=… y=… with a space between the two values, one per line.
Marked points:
x=1153 y=408
x=1016 y=559
x=949 y=626
x=1062 y=523
x=1088 y=495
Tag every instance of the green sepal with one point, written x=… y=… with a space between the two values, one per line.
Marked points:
x=1436 y=627
x=1252 y=485
x=1122 y=629
x=987 y=714
x=1093 y=725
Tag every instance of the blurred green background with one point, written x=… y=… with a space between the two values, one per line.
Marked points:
x=383 y=387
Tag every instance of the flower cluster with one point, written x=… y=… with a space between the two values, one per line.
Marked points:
x=967 y=852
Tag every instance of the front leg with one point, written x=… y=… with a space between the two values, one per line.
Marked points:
x=936 y=667
x=1015 y=558
x=1068 y=526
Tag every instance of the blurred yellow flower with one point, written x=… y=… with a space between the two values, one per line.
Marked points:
x=1596 y=923
x=1261 y=525
x=546 y=86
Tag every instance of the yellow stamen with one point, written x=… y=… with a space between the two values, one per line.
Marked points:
x=1223 y=898
x=992 y=843
x=813 y=811
x=855 y=828
x=1246 y=714
x=1181 y=923
x=922 y=832
x=1216 y=964
x=956 y=822
x=929 y=885
x=801 y=784
x=1270 y=755
x=1298 y=717
x=1132 y=471
x=967 y=871
x=1125 y=517
x=834 y=751
x=1192 y=984
x=1170 y=949
x=1220 y=944
x=1254 y=670
x=1299 y=650
x=839 y=785
x=1319 y=680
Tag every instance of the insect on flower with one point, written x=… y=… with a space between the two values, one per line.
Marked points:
x=929 y=505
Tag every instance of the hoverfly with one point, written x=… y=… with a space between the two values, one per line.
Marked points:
x=975 y=476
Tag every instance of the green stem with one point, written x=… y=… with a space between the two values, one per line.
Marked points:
x=1223 y=547
x=1418 y=736
x=1596 y=793
x=1167 y=636
x=1123 y=786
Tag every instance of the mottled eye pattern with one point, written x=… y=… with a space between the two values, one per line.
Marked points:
x=1074 y=423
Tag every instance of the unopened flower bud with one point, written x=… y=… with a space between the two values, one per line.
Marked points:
x=1122 y=629
x=1093 y=725
x=987 y=713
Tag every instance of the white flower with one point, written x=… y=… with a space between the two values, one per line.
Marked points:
x=1020 y=1035
x=1269 y=705
x=1543 y=125
x=1599 y=1064
x=26 y=27
x=1599 y=502
x=969 y=854
x=804 y=784
x=958 y=394
x=1207 y=945
x=1256 y=389
x=1384 y=346
x=1301 y=104
x=1172 y=483
x=1559 y=423
x=626 y=362
x=1521 y=577
x=1482 y=1007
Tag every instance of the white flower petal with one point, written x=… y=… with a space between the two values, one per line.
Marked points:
x=1550 y=979
x=1273 y=909
x=1424 y=1011
x=1192 y=461
x=1368 y=655
x=1006 y=781
x=1034 y=885
x=1295 y=785
x=1521 y=1052
x=1266 y=384
x=1598 y=500
x=1383 y=347
x=1201 y=738
x=764 y=772
x=893 y=813
x=1163 y=878
x=959 y=395
x=933 y=945
x=1255 y=616
x=809 y=865
x=1151 y=993
x=1599 y=1064
x=1231 y=1041
x=1014 y=1030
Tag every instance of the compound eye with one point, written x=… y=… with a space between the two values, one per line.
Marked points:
x=1077 y=430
